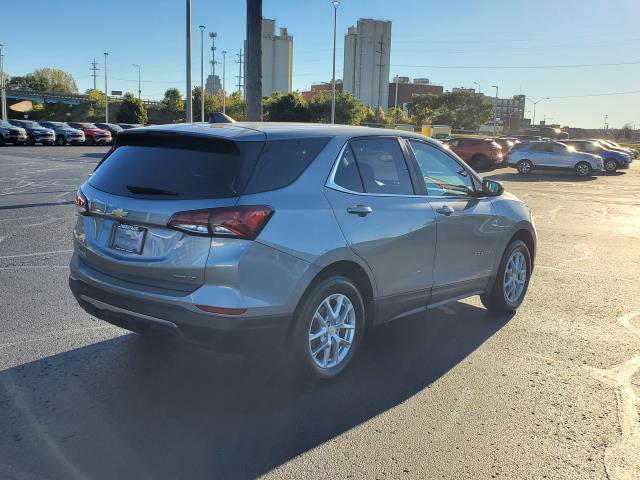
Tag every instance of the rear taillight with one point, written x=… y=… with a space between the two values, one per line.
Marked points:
x=82 y=205
x=244 y=222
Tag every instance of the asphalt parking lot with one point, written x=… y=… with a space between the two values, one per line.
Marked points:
x=552 y=392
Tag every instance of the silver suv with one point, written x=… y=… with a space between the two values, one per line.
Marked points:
x=65 y=134
x=270 y=236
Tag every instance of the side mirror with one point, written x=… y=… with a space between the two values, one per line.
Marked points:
x=492 y=188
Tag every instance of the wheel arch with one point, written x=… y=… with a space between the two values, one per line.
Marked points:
x=354 y=272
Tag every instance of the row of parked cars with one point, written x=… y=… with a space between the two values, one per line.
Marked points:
x=528 y=153
x=29 y=132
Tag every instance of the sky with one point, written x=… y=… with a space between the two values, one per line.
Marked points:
x=453 y=43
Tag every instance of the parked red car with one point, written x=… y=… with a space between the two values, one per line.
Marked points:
x=479 y=153
x=92 y=134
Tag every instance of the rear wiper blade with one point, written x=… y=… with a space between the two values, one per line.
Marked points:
x=149 y=190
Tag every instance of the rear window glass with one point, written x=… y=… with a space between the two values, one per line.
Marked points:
x=283 y=161
x=180 y=167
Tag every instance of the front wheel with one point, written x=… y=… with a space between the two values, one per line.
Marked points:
x=583 y=169
x=610 y=165
x=524 y=167
x=30 y=141
x=512 y=280
x=329 y=328
x=60 y=141
x=89 y=141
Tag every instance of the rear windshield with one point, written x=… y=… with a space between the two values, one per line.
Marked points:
x=177 y=167
x=162 y=166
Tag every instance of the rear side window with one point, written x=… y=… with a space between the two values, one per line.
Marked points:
x=382 y=166
x=283 y=161
x=169 y=166
x=539 y=147
x=347 y=174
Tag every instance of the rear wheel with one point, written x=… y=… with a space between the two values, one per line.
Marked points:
x=328 y=330
x=583 y=169
x=524 y=167
x=512 y=280
x=60 y=141
x=610 y=165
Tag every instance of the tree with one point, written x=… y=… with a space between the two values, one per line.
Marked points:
x=132 y=110
x=212 y=103
x=173 y=104
x=369 y=115
x=286 y=107
x=235 y=106
x=46 y=80
x=463 y=110
x=97 y=105
x=349 y=110
x=397 y=116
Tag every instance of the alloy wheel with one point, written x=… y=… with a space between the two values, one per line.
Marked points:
x=515 y=277
x=332 y=331
x=610 y=166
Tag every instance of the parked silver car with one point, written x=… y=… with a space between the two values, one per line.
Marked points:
x=270 y=236
x=553 y=155
x=65 y=134
x=11 y=134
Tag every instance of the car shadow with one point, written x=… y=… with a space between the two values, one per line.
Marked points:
x=94 y=155
x=539 y=176
x=130 y=407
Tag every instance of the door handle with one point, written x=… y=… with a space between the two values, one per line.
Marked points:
x=445 y=210
x=360 y=210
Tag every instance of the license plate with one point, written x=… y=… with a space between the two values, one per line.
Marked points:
x=128 y=238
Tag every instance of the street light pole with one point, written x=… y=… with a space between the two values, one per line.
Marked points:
x=139 y=89
x=395 y=103
x=479 y=88
x=335 y=4
x=3 y=92
x=224 y=81
x=188 y=101
x=533 y=122
x=495 y=111
x=201 y=27
x=106 y=91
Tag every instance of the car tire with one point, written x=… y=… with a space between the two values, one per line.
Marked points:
x=30 y=141
x=60 y=141
x=318 y=305
x=610 y=165
x=501 y=299
x=89 y=141
x=583 y=169
x=479 y=162
x=524 y=167
x=1 y=141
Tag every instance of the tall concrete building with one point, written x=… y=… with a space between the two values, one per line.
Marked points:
x=367 y=52
x=213 y=84
x=277 y=59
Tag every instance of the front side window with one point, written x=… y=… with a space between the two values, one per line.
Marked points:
x=443 y=176
x=382 y=166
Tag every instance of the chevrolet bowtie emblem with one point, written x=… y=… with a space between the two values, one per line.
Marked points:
x=119 y=213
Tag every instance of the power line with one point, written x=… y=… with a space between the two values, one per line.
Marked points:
x=630 y=92
x=542 y=67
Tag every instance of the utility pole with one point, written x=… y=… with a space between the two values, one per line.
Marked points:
x=189 y=101
x=213 y=36
x=253 y=59
x=106 y=91
x=335 y=4
x=3 y=91
x=395 y=103
x=201 y=27
x=380 y=65
x=240 y=83
x=224 y=77
x=139 y=87
x=495 y=112
x=94 y=68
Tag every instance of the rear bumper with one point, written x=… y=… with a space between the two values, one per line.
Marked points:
x=222 y=333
